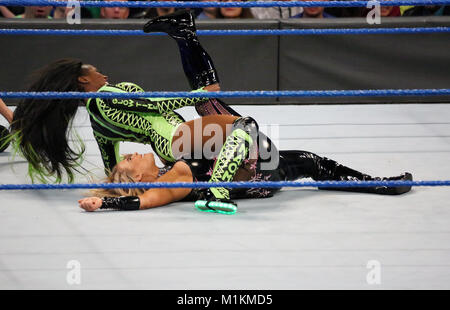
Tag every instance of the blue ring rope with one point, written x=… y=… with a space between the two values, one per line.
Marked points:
x=230 y=94
x=279 y=184
x=113 y=32
x=194 y=4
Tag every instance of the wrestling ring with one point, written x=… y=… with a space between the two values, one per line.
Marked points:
x=299 y=239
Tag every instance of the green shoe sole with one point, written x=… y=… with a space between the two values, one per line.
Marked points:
x=216 y=206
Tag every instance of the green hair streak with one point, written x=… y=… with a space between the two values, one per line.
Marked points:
x=36 y=170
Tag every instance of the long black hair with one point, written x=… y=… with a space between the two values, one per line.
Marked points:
x=40 y=127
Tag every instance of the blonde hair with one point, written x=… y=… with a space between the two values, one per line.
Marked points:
x=117 y=176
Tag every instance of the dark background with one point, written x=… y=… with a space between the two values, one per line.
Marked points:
x=320 y=62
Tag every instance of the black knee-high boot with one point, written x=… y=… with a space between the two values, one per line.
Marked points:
x=302 y=164
x=197 y=64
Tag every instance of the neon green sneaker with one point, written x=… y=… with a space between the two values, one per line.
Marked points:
x=222 y=206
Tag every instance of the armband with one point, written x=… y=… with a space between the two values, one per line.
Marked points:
x=126 y=203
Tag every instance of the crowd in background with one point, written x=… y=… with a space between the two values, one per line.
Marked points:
x=222 y=13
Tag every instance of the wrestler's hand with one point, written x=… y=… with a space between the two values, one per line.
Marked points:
x=90 y=204
x=5 y=111
x=6 y=12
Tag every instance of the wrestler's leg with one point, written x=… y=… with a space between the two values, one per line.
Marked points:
x=202 y=137
x=234 y=151
x=195 y=143
x=197 y=63
x=250 y=170
x=302 y=164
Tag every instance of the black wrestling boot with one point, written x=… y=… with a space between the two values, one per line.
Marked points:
x=197 y=64
x=332 y=171
x=384 y=190
x=381 y=190
x=181 y=23
x=397 y=190
x=301 y=164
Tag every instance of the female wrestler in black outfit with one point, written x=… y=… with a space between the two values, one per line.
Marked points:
x=292 y=165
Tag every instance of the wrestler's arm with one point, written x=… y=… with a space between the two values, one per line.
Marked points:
x=6 y=112
x=157 y=197
x=6 y=12
x=152 y=198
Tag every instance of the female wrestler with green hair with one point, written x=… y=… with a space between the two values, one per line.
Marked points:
x=40 y=126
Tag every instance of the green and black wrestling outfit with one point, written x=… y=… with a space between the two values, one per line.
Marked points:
x=149 y=121
x=154 y=120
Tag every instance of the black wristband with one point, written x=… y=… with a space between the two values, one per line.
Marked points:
x=127 y=203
